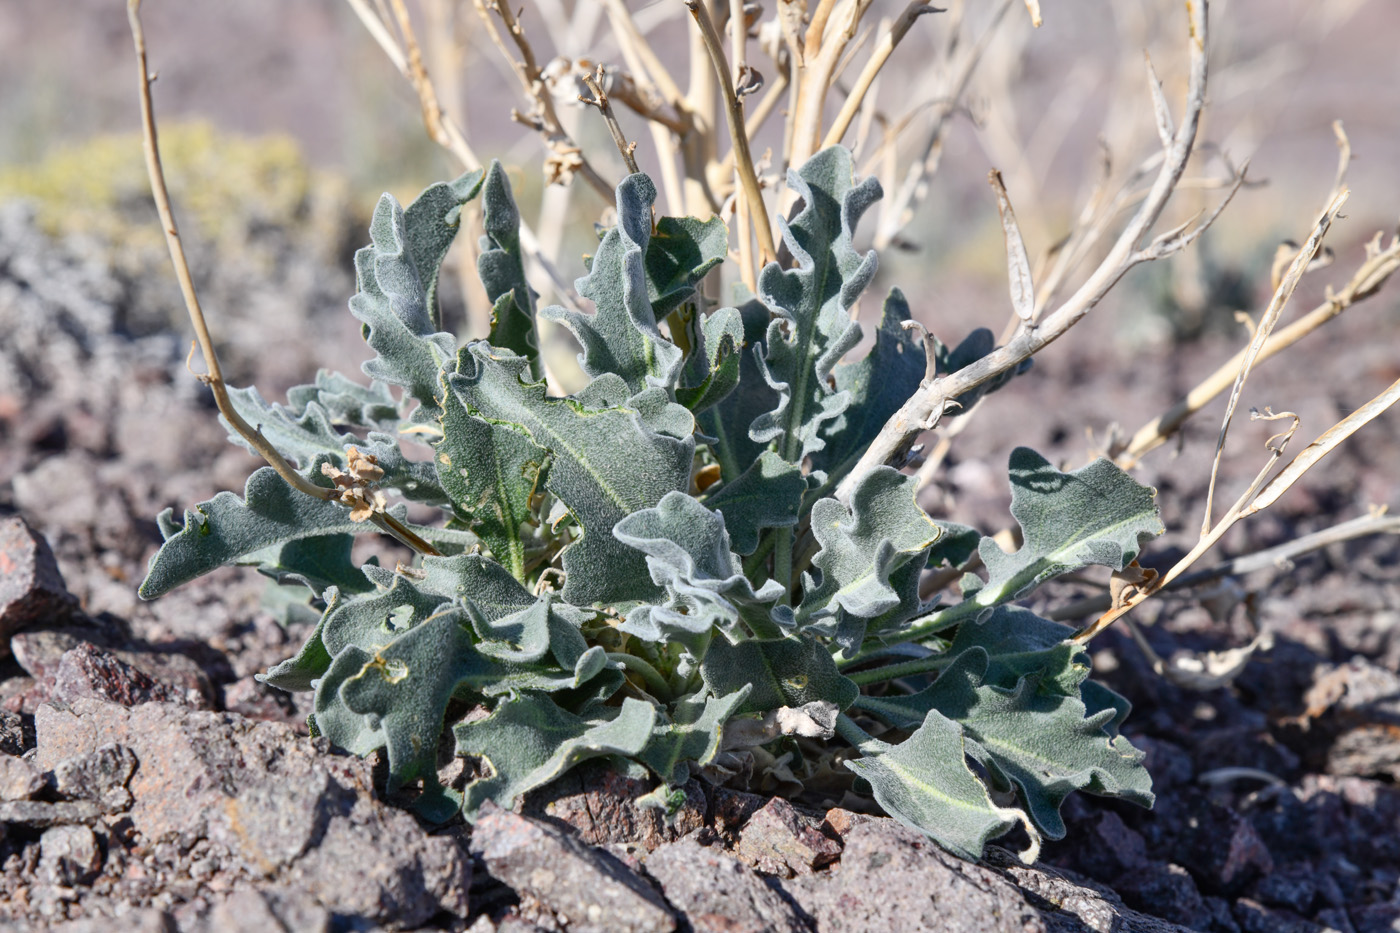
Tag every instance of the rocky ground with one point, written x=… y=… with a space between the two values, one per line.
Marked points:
x=146 y=776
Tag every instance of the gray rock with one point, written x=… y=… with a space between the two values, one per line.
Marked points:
x=31 y=587
x=19 y=780
x=74 y=663
x=716 y=893
x=269 y=911
x=231 y=799
x=69 y=855
x=100 y=776
x=565 y=880
x=41 y=813
x=891 y=879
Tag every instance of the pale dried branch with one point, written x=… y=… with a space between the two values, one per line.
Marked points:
x=734 y=114
x=825 y=43
x=600 y=100
x=903 y=428
x=1263 y=330
x=881 y=54
x=1378 y=267
x=566 y=158
x=1278 y=557
x=214 y=378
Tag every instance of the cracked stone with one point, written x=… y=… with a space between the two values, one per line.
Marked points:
x=69 y=855
x=716 y=893
x=778 y=840
x=31 y=587
x=575 y=886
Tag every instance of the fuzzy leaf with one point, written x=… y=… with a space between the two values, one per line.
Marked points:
x=317 y=563
x=348 y=402
x=395 y=698
x=688 y=554
x=877 y=385
x=691 y=739
x=729 y=421
x=679 y=255
x=1042 y=741
x=717 y=359
x=861 y=548
x=303 y=434
x=955 y=546
x=529 y=741
x=924 y=782
x=766 y=495
x=791 y=671
x=811 y=303
x=396 y=280
x=606 y=464
x=228 y=530
x=490 y=472
x=367 y=622
x=501 y=268
x=1096 y=515
x=621 y=337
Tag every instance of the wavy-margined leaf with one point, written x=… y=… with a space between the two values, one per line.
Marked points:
x=877 y=385
x=303 y=434
x=1044 y=742
x=681 y=252
x=491 y=473
x=688 y=554
x=621 y=336
x=955 y=546
x=396 y=280
x=861 y=548
x=501 y=267
x=529 y=740
x=691 y=739
x=347 y=402
x=728 y=422
x=1096 y=515
x=367 y=621
x=766 y=495
x=924 y=782
x=396 y=697
x=715 y=361
x=527 y=635
x=606 y=463
x=811 y=303
x=790 y=671
x=317 y=563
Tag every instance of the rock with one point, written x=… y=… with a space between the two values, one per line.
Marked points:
x=16 y=733
x=100 y=776
x=31 y=587
x=602 y=806
x=69 y=664
x=1219 y=847
x=1294 y=887
x=250 y=911
x=19 y=780
x=41 y=813
x=895 y=880
x=1110 y=848
x=1254 y=917
x=217 y=798
x=69 y=855
x=838 y=822
x=1352 y=722
x=731 y=809
x=132 y=921
x=716 y=893
x=1165 y=891
x=253 y=699
x=1375 y=918
x=562 y=878
x=777 y=840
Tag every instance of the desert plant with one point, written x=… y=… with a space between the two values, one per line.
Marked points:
x=707 y=561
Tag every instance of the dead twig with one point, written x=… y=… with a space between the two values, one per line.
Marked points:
x=600 y=100
x=214 y=378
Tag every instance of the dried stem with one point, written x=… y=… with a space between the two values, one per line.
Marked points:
x=734 y=113
x=930 y=400
x=600 y=100
x=214 y=378
x=878 y=58
x=1264 y=329
x=1378 y=267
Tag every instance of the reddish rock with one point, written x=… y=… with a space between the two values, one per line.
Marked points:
x=780 y=841
x=602 y=805
x=31 y=587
